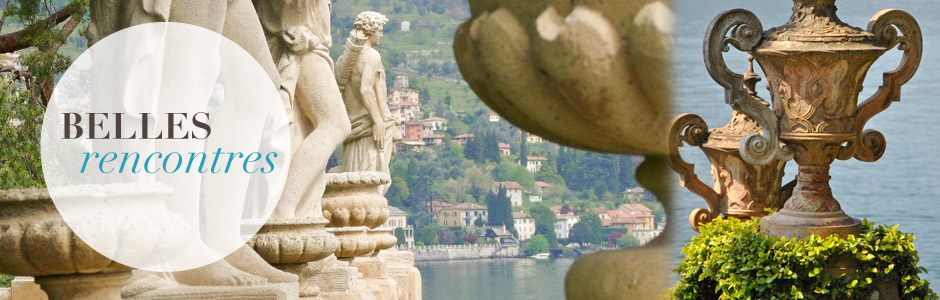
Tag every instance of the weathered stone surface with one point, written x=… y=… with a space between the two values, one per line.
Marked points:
x=361 y=78
x=559 y=69
x=354 y=199
x=25 y=288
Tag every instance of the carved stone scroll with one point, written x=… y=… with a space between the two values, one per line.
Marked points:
x=869 y=144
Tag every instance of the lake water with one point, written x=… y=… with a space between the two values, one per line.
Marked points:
x=901 y=188
x=522 y=279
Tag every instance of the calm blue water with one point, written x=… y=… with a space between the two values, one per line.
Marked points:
x=901 y=188
x=518 y=279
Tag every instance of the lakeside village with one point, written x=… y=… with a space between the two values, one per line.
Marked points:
x=470 y=185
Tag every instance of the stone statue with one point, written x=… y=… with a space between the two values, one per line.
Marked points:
x=298 y=35
x=361 y=79
x=237 y=21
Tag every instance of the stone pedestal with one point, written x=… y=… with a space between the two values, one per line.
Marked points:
x=84 y=286
x=355 y=207
x=25 y=288
x=35 y=241
x=401 y=267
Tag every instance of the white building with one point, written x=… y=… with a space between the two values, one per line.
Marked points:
x=513 y=191
x=563 y=224
x=405 y=26
x=398 y=218
x=493 y=117
x=524 y=224
x=433 y=124
x=505 y=149
x=534 y=163
x=533 y=139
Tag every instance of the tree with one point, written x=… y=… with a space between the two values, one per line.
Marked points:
x=580 y=233
x=40 y=20
x=499 y=210
x=628 y=241
x=544 y=223
x=479 y=222
x=398 y=192
x=400 y=235
x=523 y=151
x=594 y=224
x=427 y=235
x=537 y=244
x=614 y=236
x=24 y=93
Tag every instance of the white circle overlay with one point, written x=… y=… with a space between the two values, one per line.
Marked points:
x=165 y=147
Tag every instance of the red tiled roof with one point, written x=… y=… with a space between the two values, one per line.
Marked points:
x=636 y=207
x=543 y=184
x=504 y=146
x=464 y=136
x=520 y=215
x=537 y=158
x=511 y=185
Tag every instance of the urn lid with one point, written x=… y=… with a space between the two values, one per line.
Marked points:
x=815 y=27
x=729 y=137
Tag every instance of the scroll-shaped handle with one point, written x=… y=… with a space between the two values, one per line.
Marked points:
x=746 y=33
x=691 y=130
x=869 y=145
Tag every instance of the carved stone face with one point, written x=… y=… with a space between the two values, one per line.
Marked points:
x=374 y=38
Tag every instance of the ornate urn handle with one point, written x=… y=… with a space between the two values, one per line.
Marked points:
x=746 y=33
x=691 y=130
x=869 y=145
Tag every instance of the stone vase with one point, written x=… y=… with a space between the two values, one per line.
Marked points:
x=36 y=241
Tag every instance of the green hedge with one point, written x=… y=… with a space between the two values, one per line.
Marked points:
x=5 y=280
x=731 y=260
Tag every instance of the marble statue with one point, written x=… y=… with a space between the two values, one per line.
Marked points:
x=237 y=21
x=361 y=79
x=298 y=35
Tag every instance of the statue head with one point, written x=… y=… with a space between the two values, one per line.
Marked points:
x=368 y=26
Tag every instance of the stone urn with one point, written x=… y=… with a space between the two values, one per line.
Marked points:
x=36 y=241
x=354 y=199
x=741 y=189
x=354 y=205
x=298 y=241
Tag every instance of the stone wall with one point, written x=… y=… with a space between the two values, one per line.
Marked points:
x=463 y=252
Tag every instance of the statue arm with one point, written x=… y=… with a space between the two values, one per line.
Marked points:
x=370 y=97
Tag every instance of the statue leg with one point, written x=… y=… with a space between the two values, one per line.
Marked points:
x=318 y=97
x=243 y=27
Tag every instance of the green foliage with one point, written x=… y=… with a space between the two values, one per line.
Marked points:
x=537 y=244
x=5 y=280
x=544 y=223
x=499 y=209
x=627 y=241
x=400 y=235
x=479 y=222
x=597 y=173
x=427 y=236
x=587 y=230
x=731 y=260
x=510 y=171
x=398 y=192
x=20 y=125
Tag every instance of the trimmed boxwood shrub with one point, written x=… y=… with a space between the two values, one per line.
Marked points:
x=731 y=260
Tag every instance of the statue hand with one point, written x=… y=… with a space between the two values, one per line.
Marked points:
x=378 y=136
